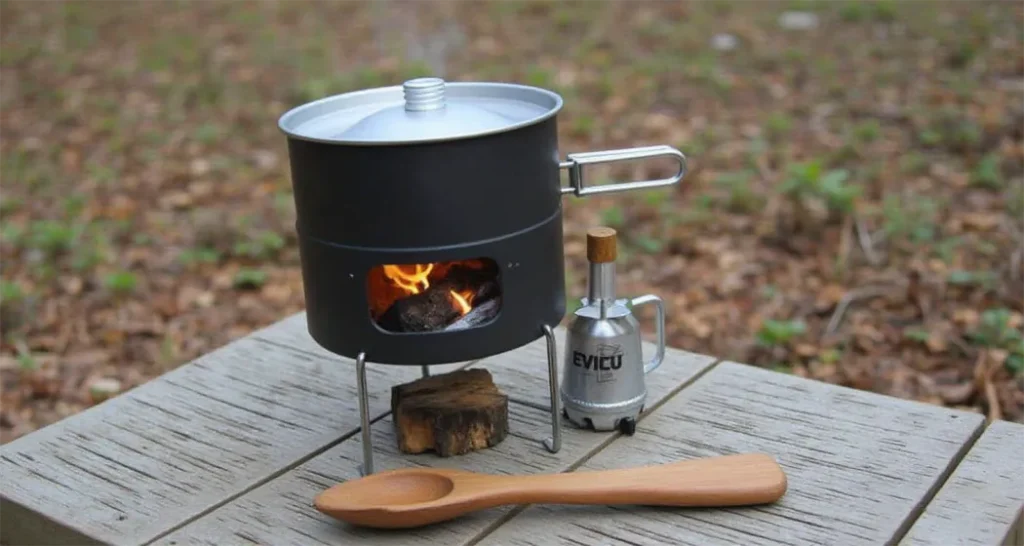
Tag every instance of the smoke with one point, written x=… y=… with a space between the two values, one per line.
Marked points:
x=422 y=33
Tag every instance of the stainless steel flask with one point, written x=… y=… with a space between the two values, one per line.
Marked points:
x=603 y=385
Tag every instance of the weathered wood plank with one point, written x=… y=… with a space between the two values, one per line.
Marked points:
x=859 y=464
x=281 y=511
x=142 y=463
x=982 y=501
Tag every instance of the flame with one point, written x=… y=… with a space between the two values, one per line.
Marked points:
x=389 y=283
x=410 y=282
x=463 y=300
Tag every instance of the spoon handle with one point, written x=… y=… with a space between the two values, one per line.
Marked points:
x=729 y=480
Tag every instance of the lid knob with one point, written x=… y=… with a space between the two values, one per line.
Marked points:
x=422 y=94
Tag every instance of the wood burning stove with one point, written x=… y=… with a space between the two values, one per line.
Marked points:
x=429 y=221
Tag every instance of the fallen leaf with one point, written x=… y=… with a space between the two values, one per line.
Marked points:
x=101 y=389
x=957 y=393
x=980 y=221
x=87 y=358
x=936 y=342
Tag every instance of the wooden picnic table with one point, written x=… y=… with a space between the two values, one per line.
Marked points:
x=232 y=448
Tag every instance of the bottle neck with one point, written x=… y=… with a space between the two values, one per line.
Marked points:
x=602 y=284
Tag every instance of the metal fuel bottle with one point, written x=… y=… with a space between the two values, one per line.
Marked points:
x=603 y=383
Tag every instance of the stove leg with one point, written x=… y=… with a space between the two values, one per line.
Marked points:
x=364 y=415
x=554 y=443
x=425 y=369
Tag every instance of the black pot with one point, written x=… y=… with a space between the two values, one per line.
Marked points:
x=461 y=180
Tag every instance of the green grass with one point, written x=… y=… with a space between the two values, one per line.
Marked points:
x=774 y=333
x=250 y=278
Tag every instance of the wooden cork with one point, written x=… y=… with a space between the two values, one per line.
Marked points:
x=601 y=245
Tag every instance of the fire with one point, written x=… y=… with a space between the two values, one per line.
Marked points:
x=410 y=282
x=389 y=283
x=463 y=300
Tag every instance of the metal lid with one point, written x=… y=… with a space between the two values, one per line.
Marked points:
x=421 y=110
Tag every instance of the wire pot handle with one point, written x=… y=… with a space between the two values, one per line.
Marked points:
x=575 y=162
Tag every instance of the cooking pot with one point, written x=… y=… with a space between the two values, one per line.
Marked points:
x=429 y=172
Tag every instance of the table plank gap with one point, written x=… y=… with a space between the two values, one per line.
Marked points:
x=277 y=511
x=156 y=457
x=855 y=472
x=923 y=502
x=982 y=501
x=597 y=449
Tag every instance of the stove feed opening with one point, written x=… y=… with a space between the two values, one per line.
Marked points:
x=437 y=297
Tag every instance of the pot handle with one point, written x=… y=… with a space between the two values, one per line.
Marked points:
x=575 y=163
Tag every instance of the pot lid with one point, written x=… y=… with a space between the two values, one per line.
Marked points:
x=420 y=110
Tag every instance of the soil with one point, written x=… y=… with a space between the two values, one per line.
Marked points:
x=852 y=211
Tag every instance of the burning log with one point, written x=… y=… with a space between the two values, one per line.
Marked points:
x=427 y=311
x=439 y=306
x=480 y=314
x=449 y=414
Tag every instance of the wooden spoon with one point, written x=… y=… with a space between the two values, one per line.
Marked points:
x=411 y=497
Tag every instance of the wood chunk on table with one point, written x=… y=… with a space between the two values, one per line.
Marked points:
x=859 y=465
x=449 y=414
x=281 y=511
x=144 y=462
x=982 y=501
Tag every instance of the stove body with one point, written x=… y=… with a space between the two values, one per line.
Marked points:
x=494 y=199
x=429 y=220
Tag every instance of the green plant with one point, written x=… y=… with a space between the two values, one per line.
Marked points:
x=53 y=237
x=839 y=195
x=1015 y=201
x=883 y=11
x=539 y=76
x=954 y=130
x=262 y=246
x=854 y=11
x=945 y=248
x=11 y=293
x=250 y=278
x=647 y=243
x=207 y=133
x=868 y=130
x=201 y=255
x=912 y=219
x=740 y=197
x=27 y=362
x=807 y=180
x=995 y=331
x=916 y=334
x=984 y=279
x=613 y=216
x=914 y=163
x=988 y=172
x=774 y=333
x=121 y=282
x=10 y=204
x=657 y=197
x=777 y=125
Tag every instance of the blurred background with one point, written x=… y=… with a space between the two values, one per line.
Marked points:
x=853 y=211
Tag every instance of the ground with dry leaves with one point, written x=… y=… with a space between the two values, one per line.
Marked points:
x=853 y=213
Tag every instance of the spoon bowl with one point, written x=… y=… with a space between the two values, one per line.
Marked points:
x=389 y=489
x=413 y=497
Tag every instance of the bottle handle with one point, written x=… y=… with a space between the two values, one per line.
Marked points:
x=659 y=306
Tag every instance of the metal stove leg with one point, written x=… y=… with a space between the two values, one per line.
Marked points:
x=364 y=415
x=425 y=369
x=554 y=443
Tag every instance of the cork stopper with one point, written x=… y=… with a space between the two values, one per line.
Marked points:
x=601 y=245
